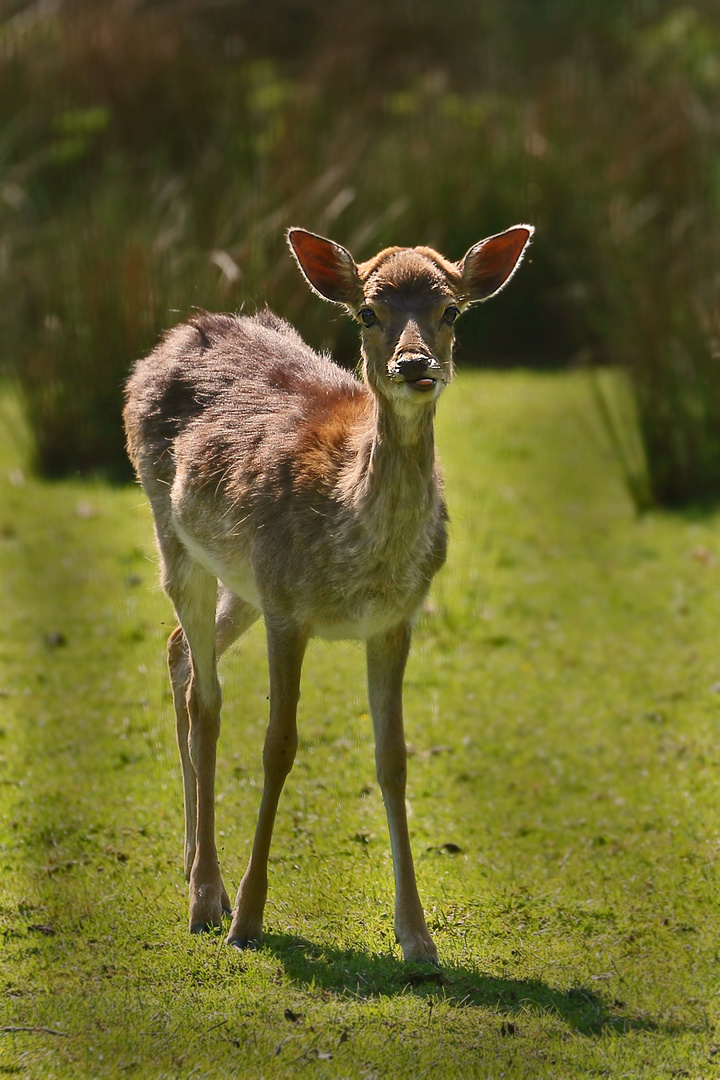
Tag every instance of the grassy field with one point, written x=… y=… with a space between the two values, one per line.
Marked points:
x=562 y=703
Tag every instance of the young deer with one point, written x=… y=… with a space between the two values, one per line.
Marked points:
x=281 y=485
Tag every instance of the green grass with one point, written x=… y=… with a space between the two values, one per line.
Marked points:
x=562 y=701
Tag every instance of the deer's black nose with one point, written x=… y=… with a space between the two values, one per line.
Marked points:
x=414 y=366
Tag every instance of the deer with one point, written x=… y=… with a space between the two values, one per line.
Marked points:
x=285 y=486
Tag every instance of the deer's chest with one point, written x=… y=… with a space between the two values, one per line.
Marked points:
x=358 y=584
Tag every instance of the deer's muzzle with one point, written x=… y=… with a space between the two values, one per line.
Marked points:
x=419 y=369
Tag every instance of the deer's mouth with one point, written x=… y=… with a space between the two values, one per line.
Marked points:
x=423 y=385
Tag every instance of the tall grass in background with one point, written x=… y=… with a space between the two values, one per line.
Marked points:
x=653 y=206
x=152 y=155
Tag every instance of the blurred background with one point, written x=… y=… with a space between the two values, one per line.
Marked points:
x=153 y=152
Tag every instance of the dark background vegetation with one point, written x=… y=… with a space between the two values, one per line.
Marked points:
x=153 y=152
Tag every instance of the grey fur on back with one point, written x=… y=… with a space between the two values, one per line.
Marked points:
x=215 y=362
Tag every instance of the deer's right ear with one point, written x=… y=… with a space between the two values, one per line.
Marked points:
x=328 y=267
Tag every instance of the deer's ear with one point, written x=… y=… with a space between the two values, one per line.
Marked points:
x=328 y=267
x=490 y=264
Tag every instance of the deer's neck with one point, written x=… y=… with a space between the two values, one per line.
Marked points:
x=392 y=479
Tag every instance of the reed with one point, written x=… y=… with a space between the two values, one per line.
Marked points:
x=128 y=201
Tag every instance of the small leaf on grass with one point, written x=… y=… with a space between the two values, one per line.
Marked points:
x=293 y=1017
x=363 y=837
x=42 y=928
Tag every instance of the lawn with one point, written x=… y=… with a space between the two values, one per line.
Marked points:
x=562 y=699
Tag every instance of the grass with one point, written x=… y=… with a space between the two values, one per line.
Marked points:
x=562 y=701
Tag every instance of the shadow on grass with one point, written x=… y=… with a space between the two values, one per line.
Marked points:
x=366 y=976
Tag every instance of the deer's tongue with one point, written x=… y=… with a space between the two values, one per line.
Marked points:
x=424 y=384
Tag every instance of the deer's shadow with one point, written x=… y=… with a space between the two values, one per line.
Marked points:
x=343 y=972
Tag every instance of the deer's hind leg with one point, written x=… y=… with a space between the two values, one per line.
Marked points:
x=233 y=617
x=192 y=658
x=179 y=667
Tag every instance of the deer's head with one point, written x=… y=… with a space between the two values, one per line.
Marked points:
x=407 y=301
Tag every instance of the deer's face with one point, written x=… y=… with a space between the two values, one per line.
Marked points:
x=407 y=314
x=407 y=301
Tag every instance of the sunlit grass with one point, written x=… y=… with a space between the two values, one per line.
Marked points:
x=561 y=709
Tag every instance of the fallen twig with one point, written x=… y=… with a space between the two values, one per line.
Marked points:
x=32 y=1031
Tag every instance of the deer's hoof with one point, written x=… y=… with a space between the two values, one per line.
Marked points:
x=204 y=928
x=428 y=969
x=420 y=950
x=430 y=962
x=251 y=944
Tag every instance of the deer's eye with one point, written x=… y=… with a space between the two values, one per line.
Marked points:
x=368 y=316
x=450 y=314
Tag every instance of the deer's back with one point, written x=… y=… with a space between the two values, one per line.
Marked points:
x=222 y=383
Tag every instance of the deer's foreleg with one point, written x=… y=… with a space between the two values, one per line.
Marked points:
x=386 y=657
x=286 y=648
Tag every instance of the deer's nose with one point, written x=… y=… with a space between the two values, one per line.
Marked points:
x=414 y=366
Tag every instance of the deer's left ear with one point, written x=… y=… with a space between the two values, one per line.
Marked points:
x=490 y=264
x=329 y=268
